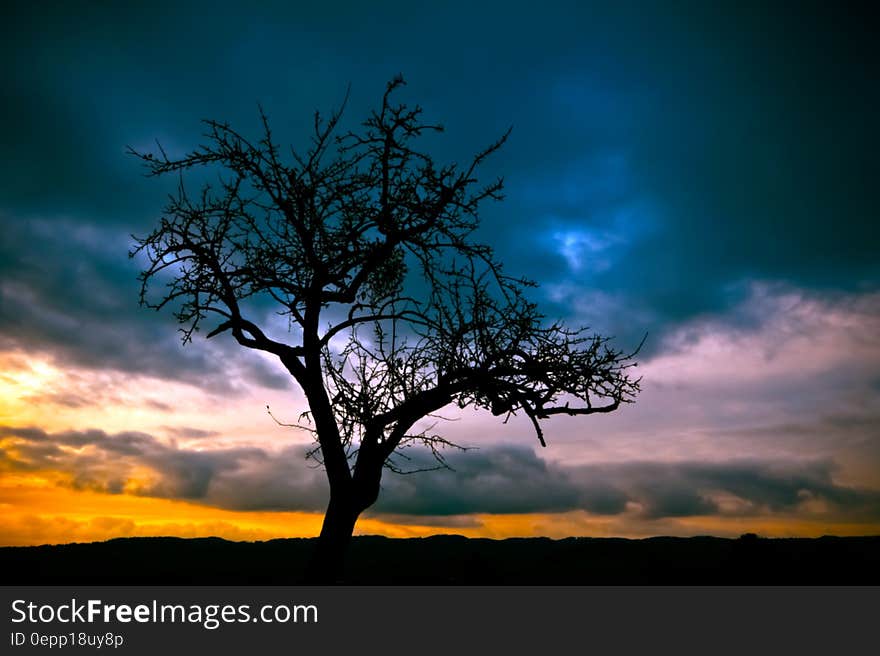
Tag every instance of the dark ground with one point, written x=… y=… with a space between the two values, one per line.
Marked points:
x=444 y=560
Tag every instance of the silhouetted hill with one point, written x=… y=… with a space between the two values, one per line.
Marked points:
x=455 y=560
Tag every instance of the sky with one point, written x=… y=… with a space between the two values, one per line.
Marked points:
x=703 y=173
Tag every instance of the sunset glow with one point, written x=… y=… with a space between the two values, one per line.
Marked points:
x=709 y=201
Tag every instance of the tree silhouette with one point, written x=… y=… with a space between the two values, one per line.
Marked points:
x=364 y=243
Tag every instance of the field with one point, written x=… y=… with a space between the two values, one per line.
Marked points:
x=454 y=560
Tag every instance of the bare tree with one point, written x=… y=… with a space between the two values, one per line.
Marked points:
x=364 y=243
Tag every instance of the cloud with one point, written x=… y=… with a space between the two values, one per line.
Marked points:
x=774 y=332
x=496 y=480
x=742 y=487
x=507 y=479
x=67 y=289
x=785 y=374
x=187 y=432
x=744 y=156
x=137 y=463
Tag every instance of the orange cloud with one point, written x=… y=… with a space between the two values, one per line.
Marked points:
x=34 y=510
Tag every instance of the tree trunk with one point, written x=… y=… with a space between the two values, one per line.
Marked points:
x=348 y=499
x=328 y=560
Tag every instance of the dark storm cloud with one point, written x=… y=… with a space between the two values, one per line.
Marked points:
x=69 y=290
x=693 y=488
x=237 y=478
x=513 y=479
x=661 y=154
x=499 y=480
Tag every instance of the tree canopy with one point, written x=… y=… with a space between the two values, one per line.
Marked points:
x=365 y=244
